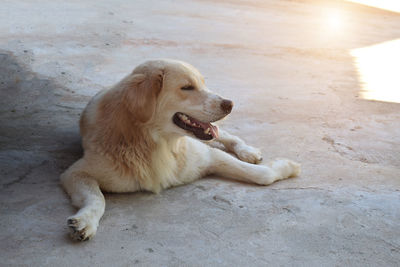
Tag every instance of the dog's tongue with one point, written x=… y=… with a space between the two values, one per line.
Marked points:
x=200 y=132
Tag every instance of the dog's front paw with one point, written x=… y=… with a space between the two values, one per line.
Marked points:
x=286 y=168
x=248 y=154
x=81 y=228
x=279 y=169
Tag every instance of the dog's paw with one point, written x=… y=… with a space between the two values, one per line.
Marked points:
x=248 y=154
x=278 y=170
x=286 y=168
x=81 y=229
x=296 y=169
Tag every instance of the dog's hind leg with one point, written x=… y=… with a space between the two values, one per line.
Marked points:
x=225 y=165
x=87 y=197
x=239 y=147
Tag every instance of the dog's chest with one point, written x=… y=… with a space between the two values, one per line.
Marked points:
x=164 y=170
x=167 y=162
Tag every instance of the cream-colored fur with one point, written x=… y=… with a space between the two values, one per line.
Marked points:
x=131 y=143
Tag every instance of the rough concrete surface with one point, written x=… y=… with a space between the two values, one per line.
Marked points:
x=293 y=71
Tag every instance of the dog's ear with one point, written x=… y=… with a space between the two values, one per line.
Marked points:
x=140 y=91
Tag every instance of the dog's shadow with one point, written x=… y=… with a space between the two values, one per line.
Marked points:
x=39 y=129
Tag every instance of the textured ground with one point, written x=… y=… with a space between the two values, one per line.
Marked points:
x=296 y=72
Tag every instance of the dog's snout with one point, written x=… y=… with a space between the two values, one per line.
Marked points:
x=226 y=105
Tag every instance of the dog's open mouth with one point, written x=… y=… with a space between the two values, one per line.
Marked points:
x=202 y=130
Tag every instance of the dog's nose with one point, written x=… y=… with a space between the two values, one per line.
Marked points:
x=226 y=105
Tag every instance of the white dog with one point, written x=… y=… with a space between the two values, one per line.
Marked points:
x=143 y=134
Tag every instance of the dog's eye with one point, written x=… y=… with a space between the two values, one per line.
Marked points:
x=187 y=87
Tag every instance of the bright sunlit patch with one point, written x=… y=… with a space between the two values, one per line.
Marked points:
x=379 y=70
x=334 y=20
x=391 y=5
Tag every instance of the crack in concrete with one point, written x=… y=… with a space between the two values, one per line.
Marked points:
x=301 y=188
x=221 y=199
x=24 y=175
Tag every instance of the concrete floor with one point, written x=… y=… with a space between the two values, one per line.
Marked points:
x=296 y=71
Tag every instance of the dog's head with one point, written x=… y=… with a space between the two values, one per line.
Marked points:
x=171 y=96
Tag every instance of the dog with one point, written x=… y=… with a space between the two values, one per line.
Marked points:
x=154 y=130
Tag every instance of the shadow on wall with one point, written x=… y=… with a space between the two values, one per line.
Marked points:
x=36 y=131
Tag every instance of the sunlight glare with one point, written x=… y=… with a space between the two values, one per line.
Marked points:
x=378 y=67
x=391 y=5
x=334 y=20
